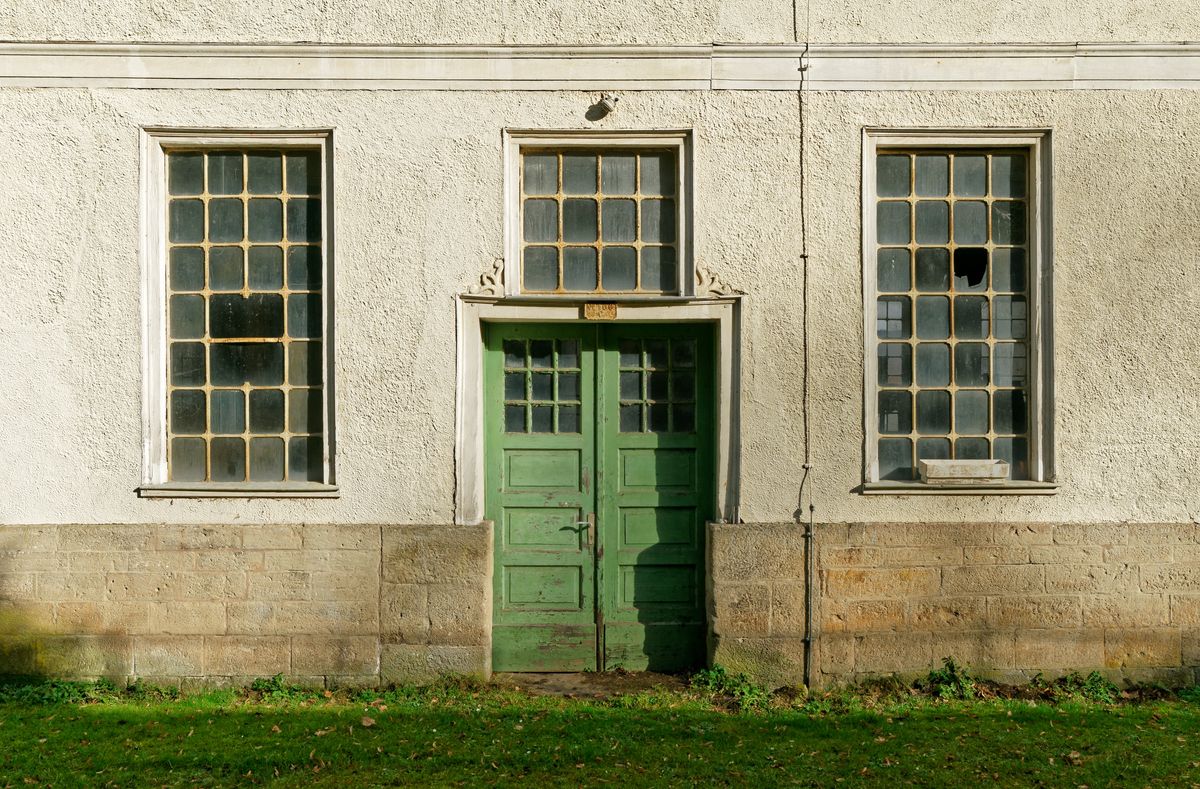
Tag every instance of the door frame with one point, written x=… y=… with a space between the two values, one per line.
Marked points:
x=472 y=311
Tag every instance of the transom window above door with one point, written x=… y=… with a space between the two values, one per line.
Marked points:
x=597 y=217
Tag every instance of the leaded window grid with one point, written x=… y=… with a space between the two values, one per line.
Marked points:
x=317 y=479
x=1033 y=146
x=676 y=142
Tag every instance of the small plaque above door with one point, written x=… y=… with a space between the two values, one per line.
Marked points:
x=600 y=311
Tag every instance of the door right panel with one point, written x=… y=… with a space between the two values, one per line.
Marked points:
x=655 y=493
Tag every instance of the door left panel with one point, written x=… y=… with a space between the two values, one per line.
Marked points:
x=540 y=418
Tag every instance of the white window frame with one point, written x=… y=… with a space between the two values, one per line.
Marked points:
x=155 y=143
x=1041 y=392
x=679 y=140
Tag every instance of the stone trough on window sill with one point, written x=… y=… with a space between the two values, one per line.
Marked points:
x=963 y=472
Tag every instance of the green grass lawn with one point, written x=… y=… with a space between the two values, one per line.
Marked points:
x=459 y=735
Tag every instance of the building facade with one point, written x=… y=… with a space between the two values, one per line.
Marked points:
x=363 y=343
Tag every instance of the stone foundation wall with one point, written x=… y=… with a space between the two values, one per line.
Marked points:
x=203 y=605
x=1007 y=600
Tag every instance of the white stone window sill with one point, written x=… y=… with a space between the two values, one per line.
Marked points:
x=241 y=490
x=1018 y=488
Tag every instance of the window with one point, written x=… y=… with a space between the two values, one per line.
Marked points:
x=243 y=272
x=953 y=257
x=597 y=216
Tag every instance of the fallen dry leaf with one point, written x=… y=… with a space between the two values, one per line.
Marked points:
x=367 y=722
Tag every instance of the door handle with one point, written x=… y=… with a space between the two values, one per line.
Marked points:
x=591 y=528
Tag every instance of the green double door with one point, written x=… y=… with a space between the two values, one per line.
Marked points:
x=599 y=482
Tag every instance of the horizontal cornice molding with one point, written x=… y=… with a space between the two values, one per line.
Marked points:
x=700 y=67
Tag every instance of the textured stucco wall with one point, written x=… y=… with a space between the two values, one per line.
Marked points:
x=576 y=21
x=419 y=216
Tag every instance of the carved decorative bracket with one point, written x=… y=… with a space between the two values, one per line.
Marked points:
x=709 y=285
x=491 y=282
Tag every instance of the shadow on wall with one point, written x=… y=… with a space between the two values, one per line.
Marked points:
x=43 y=639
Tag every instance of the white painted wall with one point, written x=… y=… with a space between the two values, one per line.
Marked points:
x=592 y=22
x=419 y=217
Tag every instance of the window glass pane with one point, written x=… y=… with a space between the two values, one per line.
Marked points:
x=228 y=411
x=185 y=173
x=256 y=315
x=225 y=220
x=896 y=459
x=305 y=414
x=971 y=364
x=933 y=449
x=933 y=364
x=188 y=459
x=933 y=222
x=971 y=449
x=619 y=268
x=225 y=173
x=933 y=412
x=187 y=268
x=514 y=419
x=895 y=364
x=579 y=268
x=631 y=418
x=971 y=317
x=541 y=354
x=658 y=269
x=541 y=386
x=1008 y=222
x=971 y=412
x=1010 y=364
x=266 y=459
x=187 y=317
x=568 y=354
x=303 y=173
x=237 y=363
x=892 y=177
x=187 y=364
x=933 y=270
x=970 y=176
x=304 y=459
x=1016 y=452
x=892 y=318
x=540 y=268
x=620 y=220
x=933 y=176
x=631 y=386
x=658 y=221
x=892 y=220
x=304 y=219
x=266 y=410
x=933 y=317
x=970 y=222
x=541 y=419
x=188 y=411
x=304 y=268
x=1008 y=270
x=1008 y=175
x=264 y=172
x=568 y=419
x=579 y=220
x=266 y=219
x=568 y=386
x=579 y=174
x=895 y=411
x=186 y=222
x=1009 y=411
x=540 y=173
x=304 y=363
x=225 y=268
x=265 y=268
x=1011 y=319
x=541 y=220
x=303 y=315
x=892 y=270
x=618 y=175
x=658 y=173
